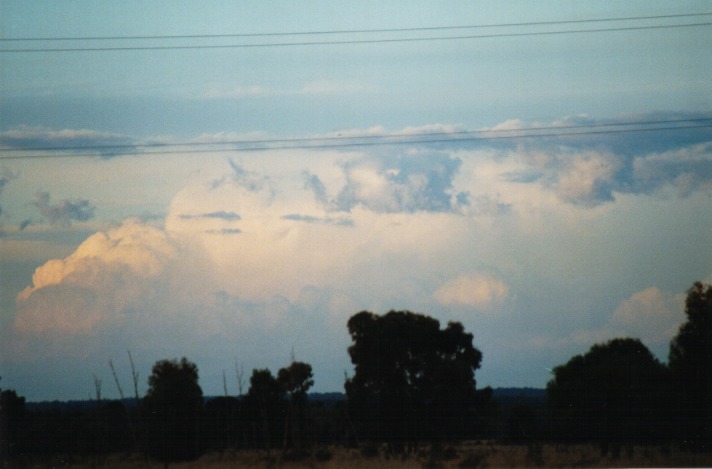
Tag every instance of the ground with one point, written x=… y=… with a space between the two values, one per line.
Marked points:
x=464 y=455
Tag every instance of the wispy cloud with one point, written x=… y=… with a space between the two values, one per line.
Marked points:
x=317 y=187
x=225 y=231
x=338 y=221
x=64 y=212
x=93 y=141
x=6 y=176
x=589 y=170
x=220 y=214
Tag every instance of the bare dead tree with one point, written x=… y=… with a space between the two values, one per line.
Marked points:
x=97 y=388
x=132 y=428
x=227 y=413
x=116 y=380
x=134 y=376
x=240 y=373
x=99 y=432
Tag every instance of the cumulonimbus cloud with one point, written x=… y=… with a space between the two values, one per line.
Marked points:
x=107 y=273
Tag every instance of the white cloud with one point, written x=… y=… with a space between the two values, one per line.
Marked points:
x=510 y=124
x=106 y=274
x=430 y=128
x=33 y=134
x=410 y=182
x=256 y=255
x=218 y=137
x=686 y=170
x=480 y=291
x=586 y=178
x=651 y=314
x=75 y=139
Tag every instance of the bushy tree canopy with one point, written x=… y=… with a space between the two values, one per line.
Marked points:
x=615 y=391
x=411 y=379
x=296 y=379
x=691 y=364
x=173 y=404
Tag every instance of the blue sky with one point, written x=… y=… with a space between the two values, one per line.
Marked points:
x=541 y=246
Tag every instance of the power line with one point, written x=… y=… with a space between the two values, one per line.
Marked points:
x=353 y=41
x=303 y=144
x=337 y=138
x=354 y=31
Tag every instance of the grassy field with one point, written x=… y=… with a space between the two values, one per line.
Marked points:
x=465 y=455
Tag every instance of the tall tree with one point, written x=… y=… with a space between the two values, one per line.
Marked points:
x=690 y=360
x=296 y=379
x=615 y=392
x=266 y=404
x=173 y=404
x=413 y=381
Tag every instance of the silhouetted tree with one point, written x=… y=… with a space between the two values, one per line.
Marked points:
x=616 y=392
x=12 y=415
x=220 y=421
x=413 y=381
x=296 y=379
x=690 y=361
x=173 y=404
x=266 y=406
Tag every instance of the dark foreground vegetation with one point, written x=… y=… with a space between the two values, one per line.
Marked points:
x=412 y=401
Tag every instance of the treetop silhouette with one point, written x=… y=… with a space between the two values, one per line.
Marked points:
x=413 y=380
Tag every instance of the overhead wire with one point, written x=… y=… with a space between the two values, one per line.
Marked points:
x=339 y=137
x=358 y=140
x=355 y=31
x=347 y=142
x=354 y=41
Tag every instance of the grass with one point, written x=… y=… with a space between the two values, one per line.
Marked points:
x=464 y=455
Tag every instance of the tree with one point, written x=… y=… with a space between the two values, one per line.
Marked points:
x=173 y=404
x=615 y=392
x=296 y=379
x=221 y=417
x=413 y=381
x=266 y=403
x=12 y=415
x=690 y=360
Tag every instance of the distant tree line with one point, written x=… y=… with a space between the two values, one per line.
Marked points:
x=413 y=384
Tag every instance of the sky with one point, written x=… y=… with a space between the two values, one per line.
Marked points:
x=231 y=181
